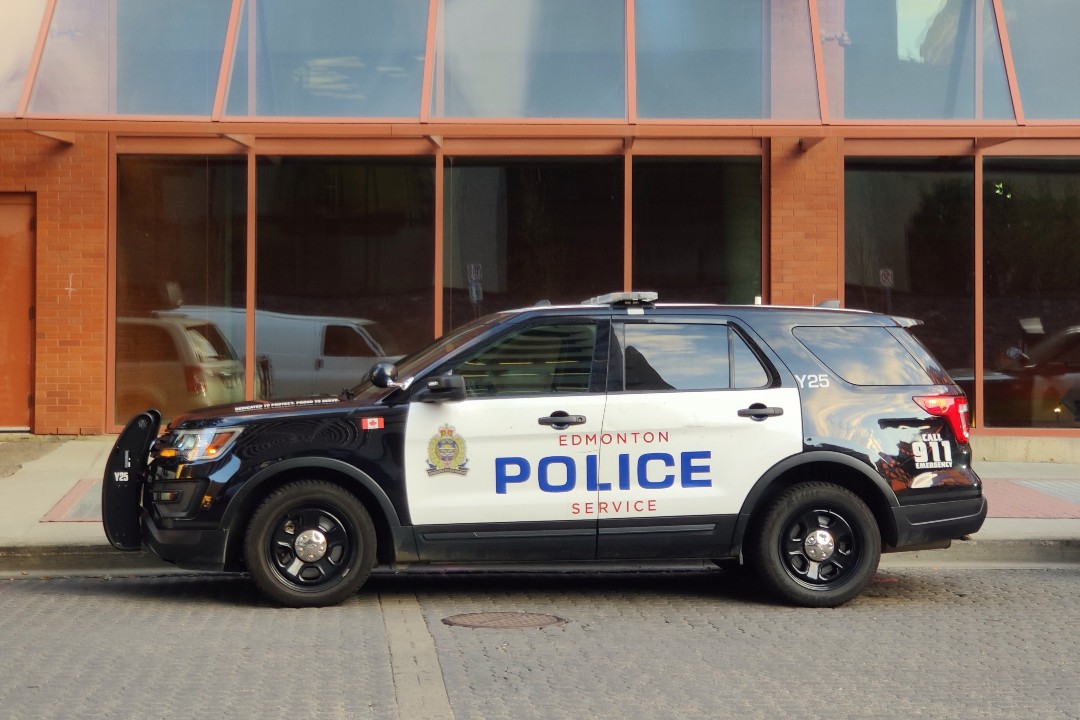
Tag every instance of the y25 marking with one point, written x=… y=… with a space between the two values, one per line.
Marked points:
x=813 y=381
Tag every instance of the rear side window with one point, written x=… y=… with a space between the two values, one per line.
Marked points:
x=863 y=355
x=654 y=357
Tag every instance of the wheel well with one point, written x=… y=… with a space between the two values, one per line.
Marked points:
x=384 y=548
x=837 y=474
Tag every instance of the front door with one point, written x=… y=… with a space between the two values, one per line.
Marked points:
x=506 y=474
x=16 y=306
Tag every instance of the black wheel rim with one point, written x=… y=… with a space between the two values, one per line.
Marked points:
x=311 y=547
x=810 y=561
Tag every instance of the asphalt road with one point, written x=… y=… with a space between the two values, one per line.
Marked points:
x=921 y=643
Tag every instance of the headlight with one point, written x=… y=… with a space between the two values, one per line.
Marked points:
x=207 y=444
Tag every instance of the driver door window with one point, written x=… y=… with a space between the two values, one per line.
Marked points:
x=541 y=360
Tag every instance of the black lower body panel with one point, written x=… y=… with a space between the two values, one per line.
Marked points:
x=190 y=548
x=927 y=523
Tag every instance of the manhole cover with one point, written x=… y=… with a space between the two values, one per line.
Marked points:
x=503 y=620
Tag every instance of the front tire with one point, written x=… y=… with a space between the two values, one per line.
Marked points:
x=310 y=544
x=818 y=546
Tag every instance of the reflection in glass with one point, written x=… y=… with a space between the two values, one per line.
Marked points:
x=909 y=249
x=346 y=258
x=530 y=58
x=710 y=210
x=18 y=33
x=152 y=57
x=685 y=356
x=539 y=360
x=333 y=58
x=520 y=231
x=179 y=243
x=1046 y=53
x=706 y=59
x=1032 y=310
x=927 y=59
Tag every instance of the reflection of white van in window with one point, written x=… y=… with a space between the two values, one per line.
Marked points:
x=303 y=354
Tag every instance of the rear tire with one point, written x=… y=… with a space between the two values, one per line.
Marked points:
x=818 y=545
x=310 y=544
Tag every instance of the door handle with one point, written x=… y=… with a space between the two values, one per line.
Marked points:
x=560 y=420
x=759 y=412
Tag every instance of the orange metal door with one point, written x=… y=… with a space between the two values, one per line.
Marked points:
x=16 y=302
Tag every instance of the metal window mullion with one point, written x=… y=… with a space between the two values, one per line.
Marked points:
x=1010 y=66
x=35 y=58
x=228 y=57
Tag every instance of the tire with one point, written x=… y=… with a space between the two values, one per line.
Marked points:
x=795 y=565
x=310 y=544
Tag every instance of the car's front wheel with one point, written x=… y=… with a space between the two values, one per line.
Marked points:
x=818 y=545
x=310 y=544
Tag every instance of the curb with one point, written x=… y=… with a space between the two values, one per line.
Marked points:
x=103 y=558
x=75 y=558
x=990 y=552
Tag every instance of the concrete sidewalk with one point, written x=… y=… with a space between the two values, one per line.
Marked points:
x=50 y=512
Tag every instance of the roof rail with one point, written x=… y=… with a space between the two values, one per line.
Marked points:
x=634 y=297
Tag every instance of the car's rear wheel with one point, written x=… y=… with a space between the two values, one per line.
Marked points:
x=818 y=545
x=309 y=544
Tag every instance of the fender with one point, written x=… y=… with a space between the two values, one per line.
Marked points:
x=239 y=503
x=750 y=503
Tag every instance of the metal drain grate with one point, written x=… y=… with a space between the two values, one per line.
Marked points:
x=511 y=620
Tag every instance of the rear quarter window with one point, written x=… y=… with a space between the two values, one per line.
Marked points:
x=863 y=355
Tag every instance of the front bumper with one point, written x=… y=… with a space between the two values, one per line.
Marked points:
x=191 y=548
x=928 y=523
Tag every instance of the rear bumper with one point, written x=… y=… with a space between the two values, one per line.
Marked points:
x=926 y=523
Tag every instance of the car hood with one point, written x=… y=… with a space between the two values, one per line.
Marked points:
x=258 y=410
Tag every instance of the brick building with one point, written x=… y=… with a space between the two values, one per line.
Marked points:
x=370 y=174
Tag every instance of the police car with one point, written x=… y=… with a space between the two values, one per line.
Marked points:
x=798 y=442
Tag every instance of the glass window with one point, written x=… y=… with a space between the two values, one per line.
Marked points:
x=180 y=242
x=653 y=357
x=864 y=355
x=333 y=58
x=909 y=249
x=346 y=341
x=708 y=59
x=153 y=57
x=1031 y=320
x=521 y=231
x=341 y=242
x=1046 y=53
x=540 y=360
x=746 y=368
x=530 y=58
x=18 y=33
x=924 y=59
x=710 y=209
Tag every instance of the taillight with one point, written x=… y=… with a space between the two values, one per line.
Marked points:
x=196 y=379
x=953 y=408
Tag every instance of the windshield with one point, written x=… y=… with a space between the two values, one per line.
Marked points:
x=410 y=365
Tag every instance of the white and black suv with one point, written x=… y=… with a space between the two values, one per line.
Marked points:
x=800 y=442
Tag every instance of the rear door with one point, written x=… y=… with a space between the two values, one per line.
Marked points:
x=695 y=416
x=502 y=475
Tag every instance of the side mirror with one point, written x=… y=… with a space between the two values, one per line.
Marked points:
x=384 y=375
x=442 y=388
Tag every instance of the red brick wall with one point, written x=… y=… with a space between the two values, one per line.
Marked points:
x=70 y=183
x=805 y=217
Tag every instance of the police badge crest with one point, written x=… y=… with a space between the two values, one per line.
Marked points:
x=446 y=453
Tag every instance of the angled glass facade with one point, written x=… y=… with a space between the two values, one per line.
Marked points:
x=380 y=171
